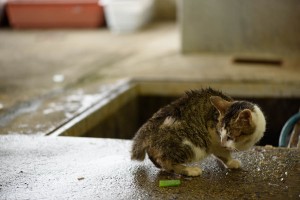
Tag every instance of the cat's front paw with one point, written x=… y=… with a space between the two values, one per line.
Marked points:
x=233 y=164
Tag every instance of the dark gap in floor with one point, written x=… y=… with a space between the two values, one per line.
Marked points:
x=126 y=121
x=258 y=61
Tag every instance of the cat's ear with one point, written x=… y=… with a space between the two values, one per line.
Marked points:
x=220 y=104
x=245 y=116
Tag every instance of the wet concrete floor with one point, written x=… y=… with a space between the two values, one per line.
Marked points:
x=81 y=168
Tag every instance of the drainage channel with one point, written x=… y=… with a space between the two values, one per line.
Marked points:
x=113 y=99
x=125 y=108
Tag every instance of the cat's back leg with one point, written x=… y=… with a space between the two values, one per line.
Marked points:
x=181 y=169
x=172 y=156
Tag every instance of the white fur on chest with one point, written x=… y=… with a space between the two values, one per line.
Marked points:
x=260 y=121
x=198 y=152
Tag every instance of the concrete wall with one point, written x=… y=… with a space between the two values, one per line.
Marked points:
x=240 y=26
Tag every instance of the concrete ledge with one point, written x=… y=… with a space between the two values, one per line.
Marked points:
x=82 y=168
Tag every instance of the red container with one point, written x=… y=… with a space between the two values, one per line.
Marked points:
x=55 y=13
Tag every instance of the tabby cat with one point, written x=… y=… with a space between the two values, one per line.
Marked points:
x=200 y=123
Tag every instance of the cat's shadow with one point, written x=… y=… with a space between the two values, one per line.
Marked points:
x=141 y=179
x=147 y=177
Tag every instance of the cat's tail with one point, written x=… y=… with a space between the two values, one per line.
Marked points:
x=138 y=151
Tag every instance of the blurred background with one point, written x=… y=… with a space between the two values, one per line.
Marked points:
x=59 y=58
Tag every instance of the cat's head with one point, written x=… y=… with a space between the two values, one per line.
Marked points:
x=241 y=124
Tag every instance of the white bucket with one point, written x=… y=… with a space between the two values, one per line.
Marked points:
x=123 y=16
